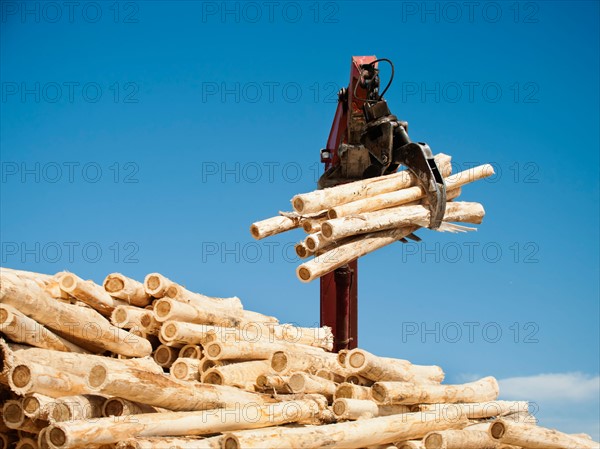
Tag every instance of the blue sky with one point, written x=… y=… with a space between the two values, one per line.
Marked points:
x=147 y=136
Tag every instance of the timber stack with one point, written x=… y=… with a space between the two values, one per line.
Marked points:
x=351 y=220
x=152 y=365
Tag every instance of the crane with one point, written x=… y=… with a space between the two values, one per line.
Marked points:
x=366 y=141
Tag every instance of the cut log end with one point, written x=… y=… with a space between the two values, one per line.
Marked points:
x=311 y=243
x=113 y=284
x=169 y=330
x=298 y=204
x=230 y=442
x=21 y=376
x=497 y=430
x=357 y=360
x=326 y=230
x=162 y=309
x=31 y=404
x=113 y=407
x=279 y=361
x=331 y=214
x=213 y=378
x=146 y=319
x=3 y=315
x=304 y=274
x=434 y=441
x=179 y=370
x=379 y=392
x=97 y=376
x=339 y=408
x=12 y=413
x=213 y=350
x=255 y=231
x=67 y=282
x=57 y=437
x=297 y=383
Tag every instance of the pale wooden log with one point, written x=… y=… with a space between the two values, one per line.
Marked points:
x=121 y=407
x=29 y=377
x=156 y=284
x=159 y=390
x=71 y=408
x=190 y=333
x=353 y=409
x=242 y=375
x=392 y=218
x=127 y=289
x=27 y=443
x=485 y=389
x=206 y=364
x=252 y=350
x=191 y=352
x=115 y=429
x=185 y=369
x=149 y=323
x=274 y=383
x=286 y=362
x=179 y=293
x=348 y=435
x=20 y=328
x=173 y=344
x=324 y=199
x=388 y=369
x=52 y=287
x=79 y=364
x=90 y=293
x=171 y=443
x=39 y=278
x=168 y=309
x=273 y=225
x=127 y=317
x=308 y=383
x=399 y=197
x=165 y=356
x=349 y=251
x=535 y=437
x=352 y=391
x=79 y=322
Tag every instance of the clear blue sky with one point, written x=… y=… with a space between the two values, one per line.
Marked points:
x=147 y=136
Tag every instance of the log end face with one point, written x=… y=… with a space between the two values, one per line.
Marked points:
x=379 y=392
x=213 y=378
x=113 y=283
x=255 y=231
x=497 y=430
x=304 y=274
x=434 y=441
x=230 y=442
x=57 y=437
x=68 y=282
x=279 y=361
x=97 y=376
x=297 y=383
x=179 y=370
x=113 y=407
x=213 y=350
x=12 y=413
x=339 y=408
x=356 y=360
x=298 y=204
x=153 y=284
x=327 y=230
x=21 y=376
x=162 y=309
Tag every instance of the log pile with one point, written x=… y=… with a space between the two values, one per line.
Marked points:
x=351 y=220
x=151 y=365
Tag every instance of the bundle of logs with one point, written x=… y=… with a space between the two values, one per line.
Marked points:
x=153 y=365
x=348 y=221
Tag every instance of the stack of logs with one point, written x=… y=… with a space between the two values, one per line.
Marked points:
x=154 y=366
x=348 y=221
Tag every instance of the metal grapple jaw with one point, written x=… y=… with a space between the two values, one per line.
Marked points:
x=417 y=157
